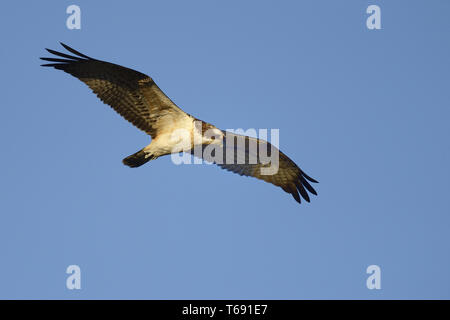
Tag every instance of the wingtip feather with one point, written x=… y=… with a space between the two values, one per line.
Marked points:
x=309 y=178
x=74 y=51
x=296 y=197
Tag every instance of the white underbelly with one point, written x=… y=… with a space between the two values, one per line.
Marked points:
x=173 y=142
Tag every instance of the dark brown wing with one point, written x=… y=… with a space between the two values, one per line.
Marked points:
x=134 y=95
x=245 y=161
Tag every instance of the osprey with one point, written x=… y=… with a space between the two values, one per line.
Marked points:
x=137 y=98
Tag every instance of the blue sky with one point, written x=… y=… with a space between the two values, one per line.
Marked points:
x=366 y=112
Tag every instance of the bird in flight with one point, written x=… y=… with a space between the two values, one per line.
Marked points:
x=137 y=98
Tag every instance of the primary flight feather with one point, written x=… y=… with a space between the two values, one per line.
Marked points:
x=137 y=98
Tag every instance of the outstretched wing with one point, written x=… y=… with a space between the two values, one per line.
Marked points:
x=238 y=154
x=134 y=95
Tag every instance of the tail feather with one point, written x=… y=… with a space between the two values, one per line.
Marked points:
x=137 y=159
